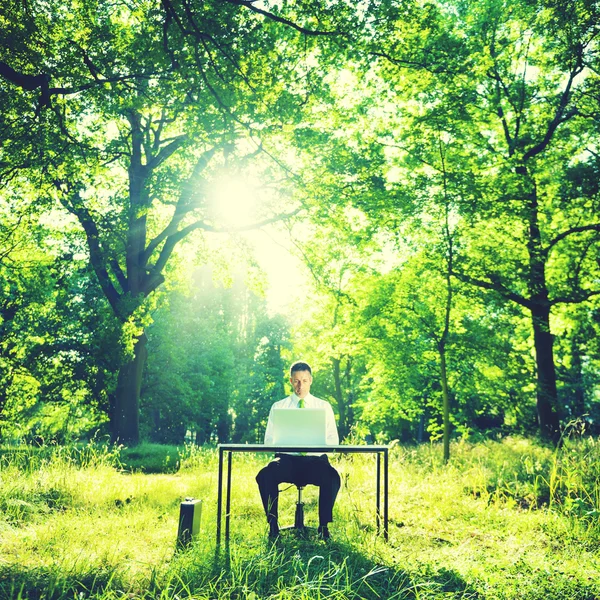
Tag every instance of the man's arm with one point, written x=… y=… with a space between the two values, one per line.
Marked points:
x=269 y=430
x=332 y=438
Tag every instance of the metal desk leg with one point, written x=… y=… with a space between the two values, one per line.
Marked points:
x=385 y=494
x=228 y=504
x=219 y=496
x=378 y=493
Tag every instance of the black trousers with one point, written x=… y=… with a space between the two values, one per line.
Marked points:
x=299 y=470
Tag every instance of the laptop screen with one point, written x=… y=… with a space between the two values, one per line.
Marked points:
x=299 y=426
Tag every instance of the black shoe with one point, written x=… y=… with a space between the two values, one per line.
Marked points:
x=323 y=532
x=273 y=531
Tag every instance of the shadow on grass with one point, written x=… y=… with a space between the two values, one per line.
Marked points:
x=304 y=567
x=151 y=458
x=289 y=569
x=42 y=583
x=293 y=567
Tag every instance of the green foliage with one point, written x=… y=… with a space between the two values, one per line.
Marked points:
x=55 y=329
x=140 y=109
x=216 y=364
x=475 y=113
x=410 y=140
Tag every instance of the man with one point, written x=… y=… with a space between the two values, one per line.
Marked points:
x=298 y=469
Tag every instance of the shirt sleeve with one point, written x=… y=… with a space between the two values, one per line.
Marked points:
x=331 y=433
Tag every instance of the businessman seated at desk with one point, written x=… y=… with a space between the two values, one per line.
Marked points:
x=299 y=469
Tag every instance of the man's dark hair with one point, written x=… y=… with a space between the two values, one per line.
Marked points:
x=300 y=366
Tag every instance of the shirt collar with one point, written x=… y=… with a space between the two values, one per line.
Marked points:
x=297 y=400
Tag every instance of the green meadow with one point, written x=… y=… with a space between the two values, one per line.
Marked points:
x=504 y=519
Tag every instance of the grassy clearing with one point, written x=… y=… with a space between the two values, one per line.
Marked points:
x=504 y=520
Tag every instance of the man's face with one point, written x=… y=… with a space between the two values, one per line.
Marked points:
x=301 y=381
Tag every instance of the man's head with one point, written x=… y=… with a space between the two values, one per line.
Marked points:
x=301 y=378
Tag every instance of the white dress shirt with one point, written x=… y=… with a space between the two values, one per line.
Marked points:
x=310 y=401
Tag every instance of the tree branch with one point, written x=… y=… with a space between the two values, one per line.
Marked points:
x=29 y=83
x=578 y=297
x=185 y=204
x=42 y=82
x=561 y=116
x=97 y=256
x=568 y=232
x=155 y=274
x=166 y=151
x=411 y=63
x=119 y=275
x=496 y=286
x=249 y=4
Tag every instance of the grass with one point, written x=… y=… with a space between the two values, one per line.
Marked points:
x=505 y=519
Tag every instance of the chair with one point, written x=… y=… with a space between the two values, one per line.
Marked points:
x=299 y=514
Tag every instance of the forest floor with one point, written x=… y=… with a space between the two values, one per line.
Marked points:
x=506 y=519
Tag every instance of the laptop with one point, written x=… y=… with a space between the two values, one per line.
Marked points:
x=299 y=426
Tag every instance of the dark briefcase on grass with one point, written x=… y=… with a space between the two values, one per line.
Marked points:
x=189 y=521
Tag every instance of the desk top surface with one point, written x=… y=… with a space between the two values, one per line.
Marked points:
x=337 y=448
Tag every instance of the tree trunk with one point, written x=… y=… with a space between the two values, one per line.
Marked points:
x=202 y=434
x=421 y=428
x=577 y=382
x=339 y=396
x=546 y=375
x=126 y=421
x=446 y=403
x=547 y=397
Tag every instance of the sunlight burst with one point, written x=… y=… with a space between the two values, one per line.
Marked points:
x=234 y=201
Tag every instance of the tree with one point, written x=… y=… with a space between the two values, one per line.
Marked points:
x=129 y=105
x=336 y=254
x=194 y=339
x=215 y=364
x=513 y=83
x=260 y=377
x=53 y=365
